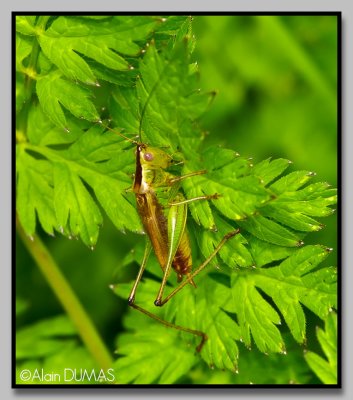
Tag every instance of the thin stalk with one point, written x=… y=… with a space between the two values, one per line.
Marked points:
x=67 y=298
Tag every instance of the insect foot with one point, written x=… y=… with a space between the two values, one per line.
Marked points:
x=215 y=196
x=158 y=302
x=131 y=300
x=203 y=341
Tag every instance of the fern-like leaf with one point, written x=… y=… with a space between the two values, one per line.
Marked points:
x=326 y=369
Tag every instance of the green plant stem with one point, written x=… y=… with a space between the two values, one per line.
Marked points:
x=67 y=298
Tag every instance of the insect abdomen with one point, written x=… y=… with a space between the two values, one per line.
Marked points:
x=182 y=263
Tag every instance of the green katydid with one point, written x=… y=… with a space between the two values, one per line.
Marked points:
x=163 y=212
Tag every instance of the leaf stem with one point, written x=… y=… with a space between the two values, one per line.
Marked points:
x=67 y=298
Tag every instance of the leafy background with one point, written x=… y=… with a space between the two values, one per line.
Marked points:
x=276 y=79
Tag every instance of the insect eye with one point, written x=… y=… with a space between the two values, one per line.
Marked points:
x=148 y=156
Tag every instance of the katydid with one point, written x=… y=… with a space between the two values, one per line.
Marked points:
x=163 y=212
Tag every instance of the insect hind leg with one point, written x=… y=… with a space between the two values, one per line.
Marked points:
x=160 y=302
x=174 y=326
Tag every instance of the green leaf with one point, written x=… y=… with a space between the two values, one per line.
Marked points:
x=270 y=231
x=23 y=49
x=20 y=93
x=132 y=365
x=41 y=131
x=69 y=39
x=326 y=370
x=149 y=86
x=293 y=282
x=43 y=338
x=50 y=352
x=235 y=254
x=25 y=24
x=70 y=207
x=268 y=170
x=194 y=309
x=218 y=298
x=54 y=91
x=34 y=193
x=170 y=99
x=255 y=314
x=70 y=199
x=264 y=253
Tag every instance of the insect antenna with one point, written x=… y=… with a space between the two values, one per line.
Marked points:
x=118 y=133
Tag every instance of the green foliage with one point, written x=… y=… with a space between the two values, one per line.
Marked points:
x=326 y=370
x=72 y=170
x=53 y=181
x=51 y=346
x=218 y=297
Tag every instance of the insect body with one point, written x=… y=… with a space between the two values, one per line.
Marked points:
x=163 y=212
x=151 y=175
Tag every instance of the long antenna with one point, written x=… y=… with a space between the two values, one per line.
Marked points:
x=118 y=133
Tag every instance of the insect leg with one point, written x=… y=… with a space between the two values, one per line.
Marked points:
x=200 y=268
x=206 y=197
x=148 y=249
x=176 y=227
x=182 y=177
x=174 y=326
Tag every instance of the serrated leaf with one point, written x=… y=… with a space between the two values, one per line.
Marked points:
x=74 y=206
x=34 y=193
x=41 y=130
x=235 y=254
x=292 y=283
x=69 y=38
x=220 y=350
x=295 y=220
x=256 y=314
x=272 y=211
x=54 y=91
x=268 y=170
x=265 y=253
x=291 y=182
x=202 y=312
x=326 y=369
x=170 y=99
x=132 y=364
x=90 y=160
x=269 y=231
